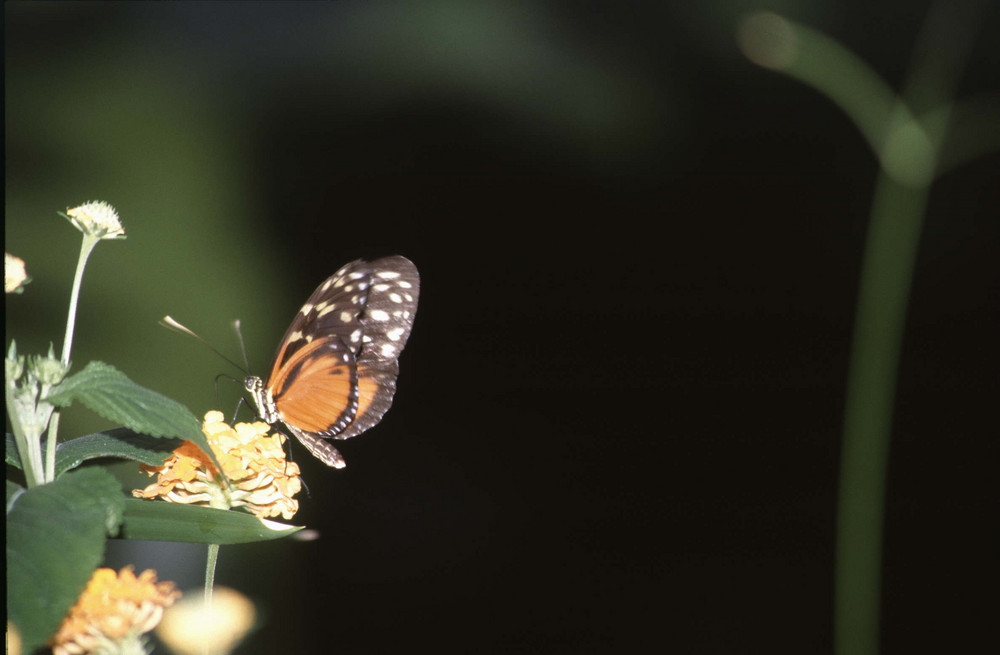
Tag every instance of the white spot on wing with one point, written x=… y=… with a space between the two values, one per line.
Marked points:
x=388 y=275
x=388 y=350
x=346 y=317
x=395 y=333
x=379 y=315
x=394 y=297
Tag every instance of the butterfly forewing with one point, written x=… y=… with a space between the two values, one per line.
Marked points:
x=388 y=314
x=335 y=371
x=333 y=310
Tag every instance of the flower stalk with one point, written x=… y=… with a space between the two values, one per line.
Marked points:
x=85 y=249
x=908 y=141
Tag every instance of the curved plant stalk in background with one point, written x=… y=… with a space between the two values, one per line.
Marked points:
x=915 y=140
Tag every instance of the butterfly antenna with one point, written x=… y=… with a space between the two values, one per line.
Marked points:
x=170 y=323
x=243 y=346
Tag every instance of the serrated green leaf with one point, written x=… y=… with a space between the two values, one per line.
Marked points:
x=157 y=520
x=121 y=443
x=107 y=391
x=55 y=541
x=10 y=451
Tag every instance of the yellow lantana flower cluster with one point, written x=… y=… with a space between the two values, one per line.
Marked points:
x=260 y=478
x=113 y=612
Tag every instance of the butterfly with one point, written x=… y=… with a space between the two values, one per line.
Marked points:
x=334 y=374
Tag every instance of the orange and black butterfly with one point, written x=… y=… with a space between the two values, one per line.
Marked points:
x=335 y=371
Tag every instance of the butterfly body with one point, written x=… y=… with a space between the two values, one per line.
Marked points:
x=335 y=371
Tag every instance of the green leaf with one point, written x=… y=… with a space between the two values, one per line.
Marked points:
x=121 y=443
x=10 y=451
x=107 y=391
x=157 y=520
x=13 y=491
x=55 y=541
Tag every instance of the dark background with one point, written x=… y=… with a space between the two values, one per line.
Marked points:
x=618 y=415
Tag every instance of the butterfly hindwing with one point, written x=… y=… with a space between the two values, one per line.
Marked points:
x=376 y=387
x=319 y=447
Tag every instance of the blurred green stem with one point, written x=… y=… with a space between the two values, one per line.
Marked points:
x=210 y=562
x=909 y=151
x=887 y=270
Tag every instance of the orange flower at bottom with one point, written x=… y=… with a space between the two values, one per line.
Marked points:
x=113 y=613
x=260 y=478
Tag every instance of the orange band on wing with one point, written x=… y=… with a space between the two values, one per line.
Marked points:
x=368 y=389
x=313 y=388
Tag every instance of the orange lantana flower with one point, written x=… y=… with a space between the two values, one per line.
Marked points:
x=113 y=612
x=253 y=461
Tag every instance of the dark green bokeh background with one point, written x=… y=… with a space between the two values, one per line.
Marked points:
x=618 y=416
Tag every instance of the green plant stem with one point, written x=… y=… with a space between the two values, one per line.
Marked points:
x=28 y=444
x=50 y=448
x=85 y=249
x=887 y=270
x=909 y=151
x=213 y=557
